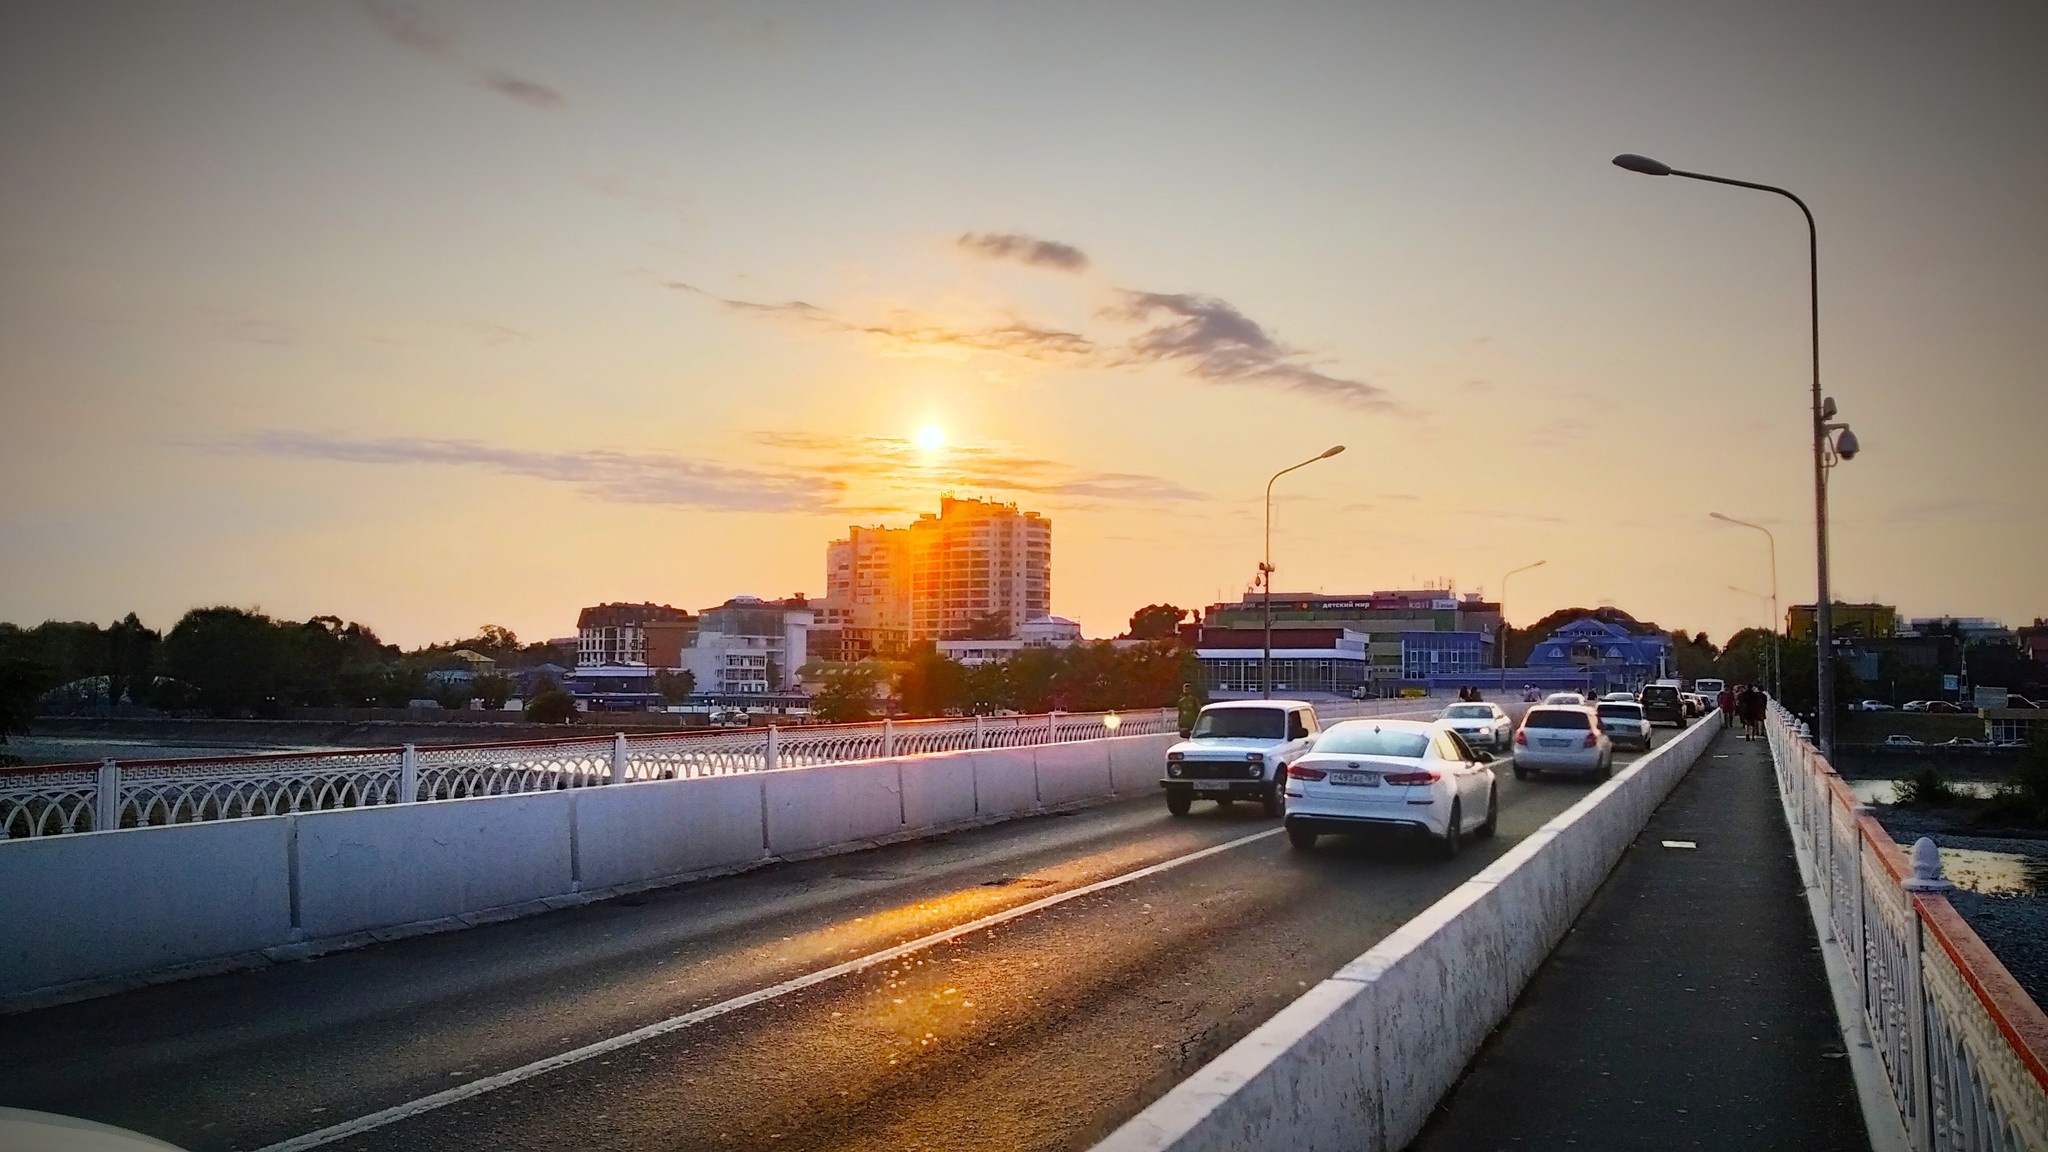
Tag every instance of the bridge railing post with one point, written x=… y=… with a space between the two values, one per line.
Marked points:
x=106 y=808
x=888 y=736
x=1052 y=727
x=408 y=775
x=618 y=757
x=772 y=750
x=980 y=731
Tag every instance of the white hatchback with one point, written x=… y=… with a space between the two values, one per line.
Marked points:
x=1483 y=725
x=1400 y=774
x=1562 y=738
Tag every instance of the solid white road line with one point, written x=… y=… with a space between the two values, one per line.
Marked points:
x=506 y=1079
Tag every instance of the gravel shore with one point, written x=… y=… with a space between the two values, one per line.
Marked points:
x=2014 y=927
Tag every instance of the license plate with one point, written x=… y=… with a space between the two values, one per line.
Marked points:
x=1356 y=779
x=1212 y=785
x=1556 y=743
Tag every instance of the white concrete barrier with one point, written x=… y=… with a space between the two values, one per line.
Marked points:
x=1072 y=773
x=938 y=790
x=108 y=904
x=831 y=805
x=364 y=869
x=1136 y=763
x=635 y=833
x=1359 y=1062
x=1006 y=782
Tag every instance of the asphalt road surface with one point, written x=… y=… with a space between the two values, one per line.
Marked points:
x=776 y=1009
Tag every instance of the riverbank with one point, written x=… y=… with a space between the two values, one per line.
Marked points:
x=2001 y=878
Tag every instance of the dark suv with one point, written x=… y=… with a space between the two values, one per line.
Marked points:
x=1662 y=705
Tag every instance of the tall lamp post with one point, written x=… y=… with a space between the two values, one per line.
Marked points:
x=1826 y=448
x=1776 y=621
x=1504 y=621
x=1266 y=571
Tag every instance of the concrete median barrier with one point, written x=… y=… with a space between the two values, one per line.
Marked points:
x=111 y=904
x=1360 y=1061
x=1072 y=773
x=938 y=790
x=815 y=808
x=1137 y=762
x=1006 y=782
x=365 y=869
x=637 y=833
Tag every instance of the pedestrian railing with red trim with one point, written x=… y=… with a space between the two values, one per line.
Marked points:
x=1963 y=1048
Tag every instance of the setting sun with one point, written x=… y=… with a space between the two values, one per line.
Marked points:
x=931 y=437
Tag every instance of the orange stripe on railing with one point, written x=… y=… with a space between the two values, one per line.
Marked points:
x=2021 y=1020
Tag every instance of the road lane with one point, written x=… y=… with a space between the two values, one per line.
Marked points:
x=1058 y=1025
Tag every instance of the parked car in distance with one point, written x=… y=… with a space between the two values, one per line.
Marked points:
x=1564 y=738
x=1238 y=750
x=1392 y=774
x=2015 y=700
x=1870 y=706
x=1943 y=707
x=1625 y=724
x=1483 y=725
x=1571 y=699
x=1618 y=698
x=1896 y=740
x=1964 y=742
x=1662 y=704
x=1914 y=706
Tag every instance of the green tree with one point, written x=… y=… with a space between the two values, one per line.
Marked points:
x=930 y=683
x=1747 y=657
x=846 y=692
x=1156 y=622
x=1693 y=656
x=553 y=706
x=675 y=687
x=22 y=684
x=493 y=689
x=236 y=660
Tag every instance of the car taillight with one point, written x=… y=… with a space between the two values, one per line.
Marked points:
x=1592 y=739
x=1423 y=777
x=1522 y=737
x=1301 y=772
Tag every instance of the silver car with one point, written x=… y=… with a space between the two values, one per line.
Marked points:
x=1482 y=725
x=1624 y=724
x=1562 y=738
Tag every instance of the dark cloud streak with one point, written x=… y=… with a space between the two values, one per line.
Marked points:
x=405 y=25
x=1025 y=250
x=1216 y=342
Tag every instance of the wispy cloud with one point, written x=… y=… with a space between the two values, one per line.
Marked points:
x=406 y=25
x=897 y=463
x=618 y=477
x=1215 y=342
x=909 y=332
x=1025 y=250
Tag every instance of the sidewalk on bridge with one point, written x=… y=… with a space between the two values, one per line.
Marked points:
x=1687 y=1008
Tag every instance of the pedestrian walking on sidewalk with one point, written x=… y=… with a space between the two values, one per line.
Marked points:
x=1726 y=703
x=1753 y=700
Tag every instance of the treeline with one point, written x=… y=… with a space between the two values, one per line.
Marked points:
x=236 y=662
x=1092 y=677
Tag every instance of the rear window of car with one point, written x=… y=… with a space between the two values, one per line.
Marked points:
x=1241 y=723
x=1622 y=711
x=1469 y=712
x=1660 y=694
x=1365 y=741
x=1558 y=718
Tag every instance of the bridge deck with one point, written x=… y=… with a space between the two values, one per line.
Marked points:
x=1689 y=1006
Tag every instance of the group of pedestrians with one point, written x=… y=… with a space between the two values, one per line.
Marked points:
x=1747 y=703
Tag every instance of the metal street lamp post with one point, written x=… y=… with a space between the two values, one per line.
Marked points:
x=1266 y=571
x=1504 y=621
x=1824 y=446
x=1776 y=620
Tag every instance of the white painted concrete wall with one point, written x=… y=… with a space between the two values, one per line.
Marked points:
x=89 y=913
x=1359 y=1062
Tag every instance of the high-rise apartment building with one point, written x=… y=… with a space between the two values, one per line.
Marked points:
x=938 y=578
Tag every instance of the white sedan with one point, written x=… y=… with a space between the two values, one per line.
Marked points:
x=1562 y=739
x=1482 y=725
x=1392 y=774
x=1572 y=699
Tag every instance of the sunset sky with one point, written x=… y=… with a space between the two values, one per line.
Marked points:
x=434 y=315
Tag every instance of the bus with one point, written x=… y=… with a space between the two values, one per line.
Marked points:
x=1711 y=689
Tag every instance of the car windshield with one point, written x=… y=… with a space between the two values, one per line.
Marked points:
x=1241 y=723
x=1563 y=698
x=1345 y=740
x=1468 y=712
x=1621 y=712
x=1558 y=718
x=1665 y=695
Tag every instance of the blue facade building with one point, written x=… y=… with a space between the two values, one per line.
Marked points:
x=1426 y=654
x=1594 y=645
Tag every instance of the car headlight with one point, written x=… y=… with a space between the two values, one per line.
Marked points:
x=1173 y=769
x=1256 y=757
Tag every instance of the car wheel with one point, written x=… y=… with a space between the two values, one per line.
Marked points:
x=1302 y=839
x=1447 y=845
x=1606 y=771
x=1276 y=796
x=1522 y=773
x=1178 y=802
x=1492 y=825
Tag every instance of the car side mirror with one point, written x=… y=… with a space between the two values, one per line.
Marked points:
x=1186 y=732
x=1485 y=757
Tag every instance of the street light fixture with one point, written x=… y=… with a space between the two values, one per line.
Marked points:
x=1504 y=621
x=1266 y=570
x=1777 y=673
x=1831 y=442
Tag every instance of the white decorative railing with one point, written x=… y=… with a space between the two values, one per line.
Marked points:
x=1964 y=1050
x=47 y=800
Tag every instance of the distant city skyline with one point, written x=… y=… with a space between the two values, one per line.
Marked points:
x=431 y=315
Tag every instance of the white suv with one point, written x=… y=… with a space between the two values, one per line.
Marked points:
x=1239 y=750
